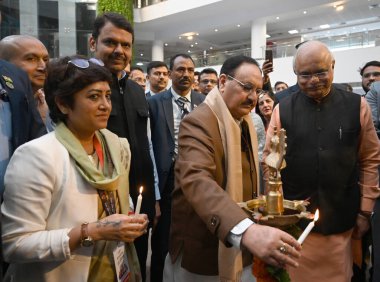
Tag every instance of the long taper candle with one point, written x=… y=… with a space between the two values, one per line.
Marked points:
x=139 y=200
x=308 y=228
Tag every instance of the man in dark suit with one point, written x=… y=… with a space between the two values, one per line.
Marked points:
x=20 y=120
x=157 y=74
x=111 y=41
x=166 y=111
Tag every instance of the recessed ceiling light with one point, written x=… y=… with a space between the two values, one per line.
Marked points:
x=277 y=18
x=267 y=35
x=190 y=37
x=216 y=30
x=188 y=51
x=323 y=26
x=339 y=8
x=191 y=45
x=179 y=37
x=293 y=31
x=141 y=54
x=197 y=34
x=304 y=12
x=140 y=64
x=211 y=48
x=166 y=44
x=196 y=43
x=238 y=25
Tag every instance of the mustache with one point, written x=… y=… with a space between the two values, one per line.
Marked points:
x=248 y=102
x=185 y=80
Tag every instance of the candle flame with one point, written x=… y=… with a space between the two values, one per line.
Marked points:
x=316 y=215
x=141 y=189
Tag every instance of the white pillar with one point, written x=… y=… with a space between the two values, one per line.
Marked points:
x=158 y=50
x=29 y=18
x=258 y=38
x=67 y=29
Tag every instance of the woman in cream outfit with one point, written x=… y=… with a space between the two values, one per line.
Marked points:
x=66 y=200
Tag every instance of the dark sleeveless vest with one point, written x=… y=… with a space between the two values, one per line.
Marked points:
x=322 y=156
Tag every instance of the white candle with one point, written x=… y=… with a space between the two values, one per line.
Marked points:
x=139 y=200
x=308 y=228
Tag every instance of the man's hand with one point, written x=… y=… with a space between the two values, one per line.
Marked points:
x=267 y=69
x=361 y=227
x=272 y=245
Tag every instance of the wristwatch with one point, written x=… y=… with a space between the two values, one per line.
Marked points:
x=366 y=214
x=85 y=239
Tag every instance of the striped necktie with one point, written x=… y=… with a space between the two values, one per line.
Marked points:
x=181 y=102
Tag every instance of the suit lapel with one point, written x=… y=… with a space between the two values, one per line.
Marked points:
x=195 y=100
x=168 y=111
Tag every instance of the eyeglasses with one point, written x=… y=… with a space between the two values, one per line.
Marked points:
x=82 y=63
x=319 y=75
x=207 y=81
x=247 y=87
x=369 y=74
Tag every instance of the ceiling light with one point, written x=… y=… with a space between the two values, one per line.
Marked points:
x=190 y=37
x=140 y=64
x=196 y=43
x=323 y=26
x=339 y=8
x=142 y=55
x=197 y=34
x=238 y=25
x=304 y=12
x=293 y=31
x=188 y=51
x=216 y=30
x=166 y=44
x=191 y=45
x=211 y=48
x=277 y=18
x=179 y=37
x=267 y=35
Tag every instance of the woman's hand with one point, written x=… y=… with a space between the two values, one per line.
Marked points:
x=119 y=227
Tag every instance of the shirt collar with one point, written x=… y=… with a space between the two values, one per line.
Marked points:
x=176 y=95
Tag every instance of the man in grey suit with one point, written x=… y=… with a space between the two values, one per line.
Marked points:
x=166 y=111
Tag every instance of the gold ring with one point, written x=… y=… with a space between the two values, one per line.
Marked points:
x=283 y=249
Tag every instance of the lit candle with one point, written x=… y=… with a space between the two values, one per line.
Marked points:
x=139 y=200
x=308 y=228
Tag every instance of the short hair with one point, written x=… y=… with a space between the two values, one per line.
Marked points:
x=136 y=68
x=231 y=64
x=116 y=19
x=280 y=82
x=172 y=59
x=369 y=64
x=208 y=71
x=65 y=79
x=155 y=64
x=8 y=49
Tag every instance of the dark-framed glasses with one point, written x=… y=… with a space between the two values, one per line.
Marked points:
x=319 y=75
x=247 y=87
x=207 y=81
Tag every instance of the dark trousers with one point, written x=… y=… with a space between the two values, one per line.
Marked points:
x=141 y=245
x=160 y=236
x=376 y=242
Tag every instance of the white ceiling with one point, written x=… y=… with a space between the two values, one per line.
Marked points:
x=225 y=15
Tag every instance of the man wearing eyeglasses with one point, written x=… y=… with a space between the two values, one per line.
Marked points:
x=208 y=79
x=212 y=238
x=332 y=157
x=158 y=77
x=370 y=72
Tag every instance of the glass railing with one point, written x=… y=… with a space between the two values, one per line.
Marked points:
x=144 y=3
x=286 y=49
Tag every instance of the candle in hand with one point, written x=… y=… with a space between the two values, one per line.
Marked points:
x=139 y=200
x=308 y=228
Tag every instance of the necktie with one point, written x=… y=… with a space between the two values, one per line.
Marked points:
x=181 y=102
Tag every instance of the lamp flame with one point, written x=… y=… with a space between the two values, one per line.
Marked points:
x=141 y=189
x=316 y=215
